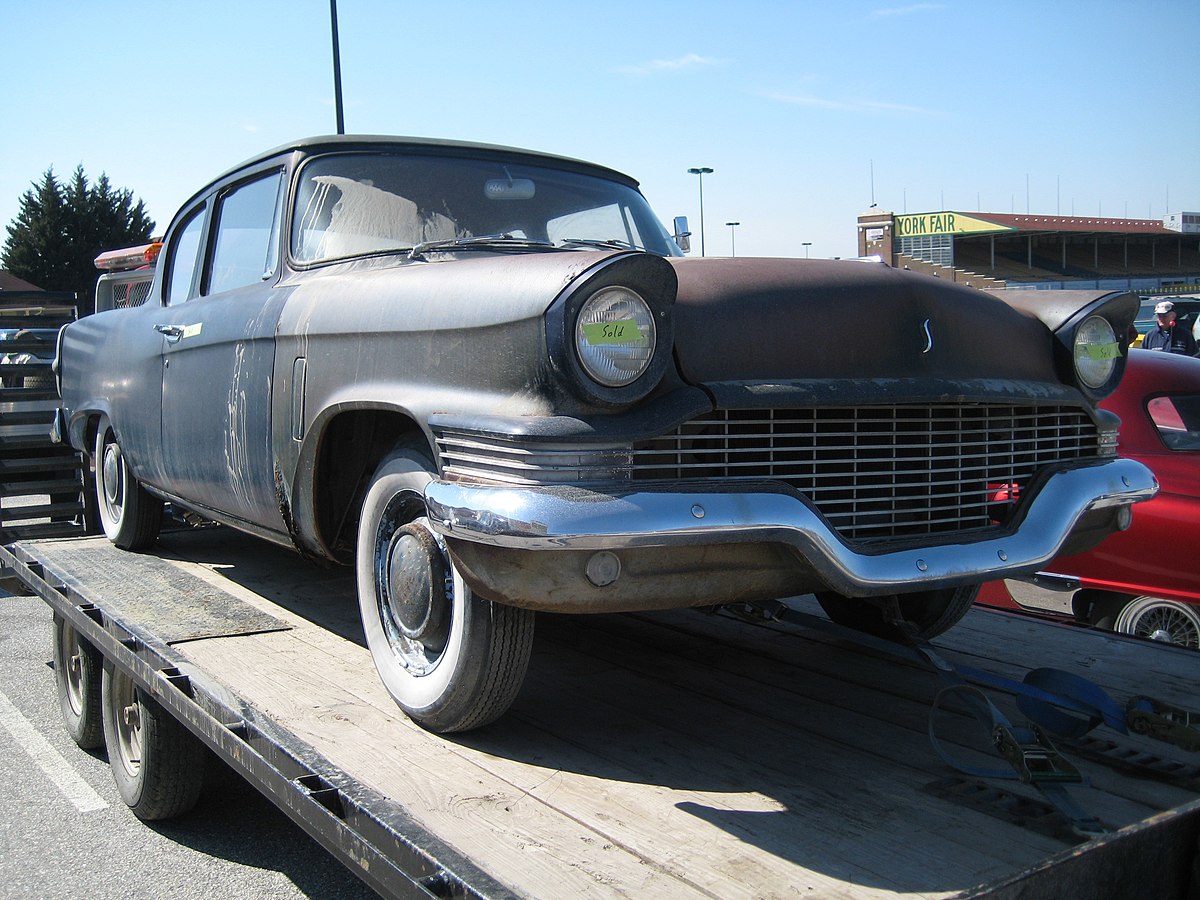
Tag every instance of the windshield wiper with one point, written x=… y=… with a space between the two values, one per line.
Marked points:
x=610 y=244
x=480 y=242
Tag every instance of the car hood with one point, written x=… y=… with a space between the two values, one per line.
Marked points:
x=461 y=294
x=791 y=319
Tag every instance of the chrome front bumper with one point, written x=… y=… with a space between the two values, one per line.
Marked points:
x=566 y=518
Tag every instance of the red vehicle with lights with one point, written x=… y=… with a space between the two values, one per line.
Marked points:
x=1144 y=581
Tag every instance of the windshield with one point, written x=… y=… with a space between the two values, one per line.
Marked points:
x=352 y=204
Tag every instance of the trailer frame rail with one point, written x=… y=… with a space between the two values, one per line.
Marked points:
x=366 y=831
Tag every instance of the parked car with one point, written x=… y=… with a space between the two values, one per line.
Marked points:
x=489 y=379
x=1143 y=581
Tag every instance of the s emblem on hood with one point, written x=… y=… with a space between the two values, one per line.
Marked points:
x=928 y=337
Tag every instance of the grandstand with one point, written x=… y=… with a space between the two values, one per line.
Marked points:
x=1003 y=250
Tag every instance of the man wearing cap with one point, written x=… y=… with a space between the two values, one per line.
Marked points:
x=1165 y=336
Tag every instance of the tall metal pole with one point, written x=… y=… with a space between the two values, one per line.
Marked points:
x=732 y=239
x=337 y=68
x=701 y=171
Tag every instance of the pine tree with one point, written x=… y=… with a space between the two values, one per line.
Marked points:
x=61 y=229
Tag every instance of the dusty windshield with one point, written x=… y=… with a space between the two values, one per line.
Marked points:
x=353 y=204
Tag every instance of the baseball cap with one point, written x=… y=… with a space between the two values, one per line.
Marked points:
x=1165 y=307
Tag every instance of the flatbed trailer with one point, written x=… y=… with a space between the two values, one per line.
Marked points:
x=668 y=754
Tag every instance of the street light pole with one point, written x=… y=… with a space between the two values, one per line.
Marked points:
x=806 y=245
x=701 y=171
x=337 y=69
x=732 y=239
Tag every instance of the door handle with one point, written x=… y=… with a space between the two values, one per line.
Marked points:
x=170 y=332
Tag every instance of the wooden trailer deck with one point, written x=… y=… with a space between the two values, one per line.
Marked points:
x=682 y=754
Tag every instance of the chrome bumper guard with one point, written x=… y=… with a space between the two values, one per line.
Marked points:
x=569 y=518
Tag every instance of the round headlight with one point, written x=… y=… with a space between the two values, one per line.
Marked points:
x=1096 y=352
x=614 y=336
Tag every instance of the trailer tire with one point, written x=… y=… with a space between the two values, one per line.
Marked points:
x=77 y=677
x=131 y=517
x=929 y=613
x=157 y=763
x=453 y=661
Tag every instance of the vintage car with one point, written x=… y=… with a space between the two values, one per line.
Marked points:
x=1143 y=581
x=488 y=379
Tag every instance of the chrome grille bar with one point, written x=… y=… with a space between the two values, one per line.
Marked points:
x=873 y=472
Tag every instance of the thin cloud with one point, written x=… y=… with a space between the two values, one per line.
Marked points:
x=909 y=10
x=654 y=67
x=853 y=106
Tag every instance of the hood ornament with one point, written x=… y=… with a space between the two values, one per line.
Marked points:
x=928 y=337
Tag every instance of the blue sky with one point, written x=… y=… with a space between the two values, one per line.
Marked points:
x=807 y=112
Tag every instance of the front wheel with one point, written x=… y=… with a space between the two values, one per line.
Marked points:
x=1157 y=619
x=452 y=661
x=130 y=517
x=157 y=763
x=924 y=614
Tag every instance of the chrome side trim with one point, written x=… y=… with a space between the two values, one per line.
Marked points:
x=568 y=518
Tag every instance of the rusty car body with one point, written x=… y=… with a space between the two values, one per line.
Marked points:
x=490 y=380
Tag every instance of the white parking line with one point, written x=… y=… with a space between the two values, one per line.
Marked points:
x=49 y=760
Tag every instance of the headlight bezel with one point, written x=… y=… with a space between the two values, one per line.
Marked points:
x=1117 y=310
x=648 y=278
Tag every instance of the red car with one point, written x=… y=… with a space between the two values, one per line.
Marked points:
x=1144 y=581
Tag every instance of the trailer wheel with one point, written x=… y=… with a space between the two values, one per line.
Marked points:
x=930 y=613
x=452 y=661
x=130 y=517
x=1158 y=619
x=158 y=764
x=77 y=676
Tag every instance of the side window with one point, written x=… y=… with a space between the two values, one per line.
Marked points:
x=184 y=259
x=245 y=251
x=1177 y=420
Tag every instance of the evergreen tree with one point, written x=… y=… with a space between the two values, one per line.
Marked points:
x=61 y=229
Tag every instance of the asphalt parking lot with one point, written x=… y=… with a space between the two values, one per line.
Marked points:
x=64 y=831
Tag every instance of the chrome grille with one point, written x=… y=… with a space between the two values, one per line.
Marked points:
x=875 y=472
x=474 y=457
x=880 y=472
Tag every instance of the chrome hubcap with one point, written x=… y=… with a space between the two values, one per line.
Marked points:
x=111 y=473
x=414 y=592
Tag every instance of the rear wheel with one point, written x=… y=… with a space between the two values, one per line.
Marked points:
x=158 y=764
x=77 y=675
x=452 y=661
x=1157 y=619
x=925 y=614
x=130 y=516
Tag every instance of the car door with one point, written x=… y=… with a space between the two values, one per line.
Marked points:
x=127 y=372
x=218 y=355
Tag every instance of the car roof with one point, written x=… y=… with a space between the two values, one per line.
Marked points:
x=329 y=142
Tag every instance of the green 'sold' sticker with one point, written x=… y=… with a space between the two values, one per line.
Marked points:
x=1103 y=351
x=623 y=331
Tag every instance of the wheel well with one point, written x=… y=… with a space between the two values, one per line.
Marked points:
x=352 y=446
x=1094 y=606
x=90 y=428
